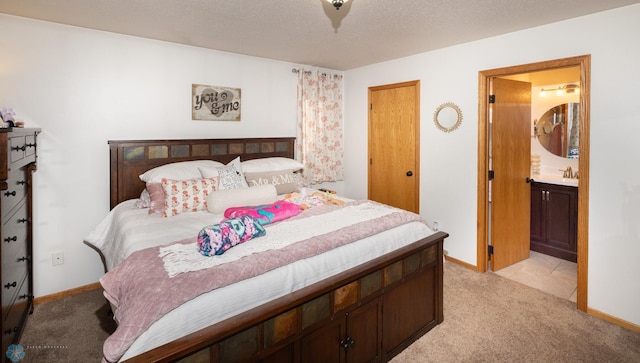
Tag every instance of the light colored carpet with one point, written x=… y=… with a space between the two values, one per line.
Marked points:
x=487 y=318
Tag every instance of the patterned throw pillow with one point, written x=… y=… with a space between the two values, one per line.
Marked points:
x=183 y=196
x=231 y=176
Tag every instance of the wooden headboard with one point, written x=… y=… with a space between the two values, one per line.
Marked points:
x=129 y=159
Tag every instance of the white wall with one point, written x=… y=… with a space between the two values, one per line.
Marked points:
x=84 y=87
x=449 y=161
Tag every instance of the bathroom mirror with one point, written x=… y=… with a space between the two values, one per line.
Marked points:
x=447 y=117
x=557 y=130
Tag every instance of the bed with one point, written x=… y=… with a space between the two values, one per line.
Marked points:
x=361 y=300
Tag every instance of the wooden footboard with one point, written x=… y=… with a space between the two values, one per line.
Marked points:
x=369 y=313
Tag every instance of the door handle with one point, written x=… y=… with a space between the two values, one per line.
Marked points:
x=529 y=180
x=409 y=173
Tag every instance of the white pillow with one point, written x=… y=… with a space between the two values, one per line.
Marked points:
x=270 y=164
x=183 y=170
x=231 y=176
x=220 y=200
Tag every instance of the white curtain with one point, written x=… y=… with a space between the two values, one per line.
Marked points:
x=319 y=127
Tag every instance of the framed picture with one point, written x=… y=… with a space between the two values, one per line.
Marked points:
x=214 y=103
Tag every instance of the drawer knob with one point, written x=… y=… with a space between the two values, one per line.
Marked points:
x=13 y=284
x=347 y=343
x=19 y=148
x=11 y=239
x=13 y=193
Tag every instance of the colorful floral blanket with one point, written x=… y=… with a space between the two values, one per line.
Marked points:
x=142 y=291
x=217 y=238
x=306 y=200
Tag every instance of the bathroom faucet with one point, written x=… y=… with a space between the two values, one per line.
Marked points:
x=568 y=173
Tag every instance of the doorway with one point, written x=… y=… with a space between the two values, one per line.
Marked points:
x=484 y=81
x=393 y=176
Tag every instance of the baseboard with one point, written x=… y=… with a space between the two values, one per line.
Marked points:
x=461 y=263
x=612 y=319
x=66 y=293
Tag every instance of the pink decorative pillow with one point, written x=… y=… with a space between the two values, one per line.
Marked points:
x=156 y=194
x=184 y=196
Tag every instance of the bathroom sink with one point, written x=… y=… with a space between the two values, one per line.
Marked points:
x=556 y=179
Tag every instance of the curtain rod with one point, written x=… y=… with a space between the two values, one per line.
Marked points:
x=296 y=70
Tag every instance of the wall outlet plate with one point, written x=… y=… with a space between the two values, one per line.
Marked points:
x=57 y=258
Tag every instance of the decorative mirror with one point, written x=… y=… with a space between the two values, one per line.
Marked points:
x=557 y=130
x=447 y=117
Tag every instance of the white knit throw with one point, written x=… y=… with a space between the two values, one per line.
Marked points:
x=179 y=257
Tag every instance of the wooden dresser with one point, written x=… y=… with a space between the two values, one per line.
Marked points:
x=17 y=164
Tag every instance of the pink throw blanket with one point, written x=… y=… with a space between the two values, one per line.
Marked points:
x=142 y=291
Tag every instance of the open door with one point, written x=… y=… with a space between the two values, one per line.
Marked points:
x=510 y=162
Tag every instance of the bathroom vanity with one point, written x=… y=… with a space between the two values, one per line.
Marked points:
x=554 y=217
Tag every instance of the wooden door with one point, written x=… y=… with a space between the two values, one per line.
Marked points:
x=561 y=222
x=323 y=344
x=510 y=162
x=393 y=145
x=364 y=329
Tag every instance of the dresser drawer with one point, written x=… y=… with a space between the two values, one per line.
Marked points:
x=15 y=193
x=15 y=261
x=14 y=312
x=14 y=228
x=22 y=150
x=3 y=154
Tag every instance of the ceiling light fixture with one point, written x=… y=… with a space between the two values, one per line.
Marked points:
x=569 y=88
x=337 y=3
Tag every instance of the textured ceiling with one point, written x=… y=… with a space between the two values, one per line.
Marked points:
x=311 y=32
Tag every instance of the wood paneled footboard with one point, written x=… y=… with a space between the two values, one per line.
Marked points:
x=369 y=313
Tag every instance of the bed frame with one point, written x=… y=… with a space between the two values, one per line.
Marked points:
x=368 y=313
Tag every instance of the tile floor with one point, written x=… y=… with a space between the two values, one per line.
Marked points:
x=547 y=273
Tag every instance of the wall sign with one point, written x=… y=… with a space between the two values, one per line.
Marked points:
x=213 y=103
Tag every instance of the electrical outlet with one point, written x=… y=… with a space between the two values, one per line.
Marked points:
x=57 y=258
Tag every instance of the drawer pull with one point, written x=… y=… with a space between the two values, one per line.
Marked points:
x=13 y=193
x=32 y=145
x=8 y=286
x=24 y=258
x=11 y=331
x=11 y=239
x=19 y=148
x=21 y=182
x=23 y=220
x=22 y=297
x=347 y=343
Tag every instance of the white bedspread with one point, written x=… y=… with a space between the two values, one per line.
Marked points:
x=126 y=230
